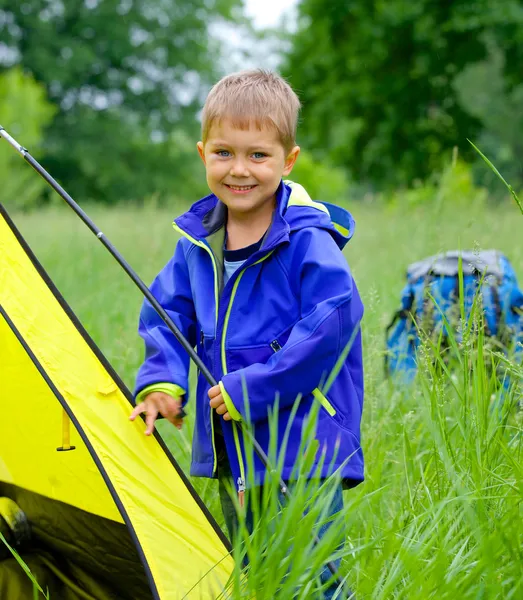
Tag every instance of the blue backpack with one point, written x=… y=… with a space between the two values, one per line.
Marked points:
x=432 y=289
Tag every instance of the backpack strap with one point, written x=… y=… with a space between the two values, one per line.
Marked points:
x=402 y=313
x=496 y=301
x=406 y=304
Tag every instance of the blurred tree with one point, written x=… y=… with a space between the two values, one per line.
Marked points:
x=124 y=75
x=376 y=78
x=322 y=181
x=484 y=92
x=24 y=111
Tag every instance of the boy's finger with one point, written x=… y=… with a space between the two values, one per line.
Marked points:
x=174 y=418
x=222 y=409
x=171 y=409
x=214 y=391
x=216 y=401
x=162 y=406
x=150 y=419
x=227 y=417
x=138 y=410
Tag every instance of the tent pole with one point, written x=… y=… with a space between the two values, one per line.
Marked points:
x=155 y=304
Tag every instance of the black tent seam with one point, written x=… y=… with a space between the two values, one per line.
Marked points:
x=109 y=368
x=92 y=452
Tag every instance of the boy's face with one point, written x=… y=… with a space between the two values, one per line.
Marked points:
x=244 y=167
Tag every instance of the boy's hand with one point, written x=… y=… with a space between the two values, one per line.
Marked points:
x=215 y=394
x=158 y=402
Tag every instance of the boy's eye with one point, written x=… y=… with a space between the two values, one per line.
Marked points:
x=224 y=153
x=259 y=155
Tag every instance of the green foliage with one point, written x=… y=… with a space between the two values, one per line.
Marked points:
x=24 y=111
x=126 y=79
x=284 y=560
x=452 y=187
x=483 y=91
x=377 y=80
x=322 y=181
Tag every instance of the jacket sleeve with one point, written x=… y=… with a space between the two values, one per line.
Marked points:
x=166 y=361
x=330 y=310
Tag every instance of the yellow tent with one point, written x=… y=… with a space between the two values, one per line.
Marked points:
x=112 y=515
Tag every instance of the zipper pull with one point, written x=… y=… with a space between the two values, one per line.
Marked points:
x=241 y=492
x=201 y=345
x=275 y=345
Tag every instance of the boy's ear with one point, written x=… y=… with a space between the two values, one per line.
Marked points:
x=201 y=151
x=291 y=160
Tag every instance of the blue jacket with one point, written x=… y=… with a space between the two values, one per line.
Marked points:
x=277 y=328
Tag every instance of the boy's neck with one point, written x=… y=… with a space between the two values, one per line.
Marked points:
x=247 y=229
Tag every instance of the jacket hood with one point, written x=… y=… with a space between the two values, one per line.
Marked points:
x=295 y=210
x=301 y=211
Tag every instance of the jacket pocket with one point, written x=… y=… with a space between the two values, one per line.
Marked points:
x=324 y=401
x=317 y=393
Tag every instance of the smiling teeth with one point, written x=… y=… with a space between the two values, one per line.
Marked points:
x=241 y=188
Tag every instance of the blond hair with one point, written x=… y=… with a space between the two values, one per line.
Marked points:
x=256 y=97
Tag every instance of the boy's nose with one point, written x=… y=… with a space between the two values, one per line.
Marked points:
x=239 y=168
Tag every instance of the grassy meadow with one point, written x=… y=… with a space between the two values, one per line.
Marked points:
x=440 y=513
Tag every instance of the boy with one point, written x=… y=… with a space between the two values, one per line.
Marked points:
x=259 y=284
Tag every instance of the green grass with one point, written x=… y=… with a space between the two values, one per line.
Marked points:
x=37 y=590
x=439 y=515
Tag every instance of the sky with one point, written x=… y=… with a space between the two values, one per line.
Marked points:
x=241 y=50
x=267 y=13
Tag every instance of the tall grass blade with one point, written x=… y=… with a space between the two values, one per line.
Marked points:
x=500 y=176
x=27 y=570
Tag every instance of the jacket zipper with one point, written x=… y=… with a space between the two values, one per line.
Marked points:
x=241 y=480
x=202 y=340
x=320 y=397
x=275 y=345
x=216 y=300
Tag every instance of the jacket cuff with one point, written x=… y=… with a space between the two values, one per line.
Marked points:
x=167 y=388
x=231 y=409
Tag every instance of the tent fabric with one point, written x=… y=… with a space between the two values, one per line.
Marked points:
x=117 y=508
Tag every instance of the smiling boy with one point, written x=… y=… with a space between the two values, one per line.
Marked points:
x=258 y=283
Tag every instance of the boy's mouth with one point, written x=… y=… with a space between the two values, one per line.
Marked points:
x=240 y=189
